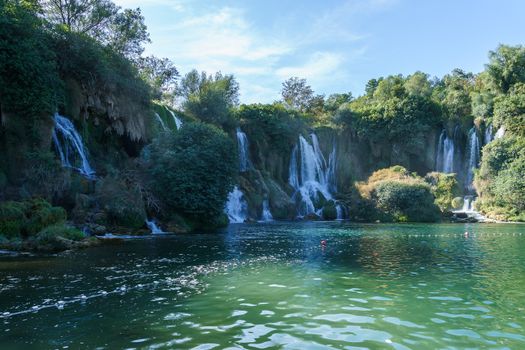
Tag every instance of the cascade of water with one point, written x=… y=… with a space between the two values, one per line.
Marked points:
x=153 y=227
x=473 y=159
x=69 y=145
x=161 y=122
x=488 y=134
x=330 y=171
x=244 y=155
x=293 y=178
x=500 y=133
x=266 y=213
x=177 y=120
x=445 y=154
x=310 y=176
x=236 y=207
x=440 y=153
x=339 y=211
x=467 y=204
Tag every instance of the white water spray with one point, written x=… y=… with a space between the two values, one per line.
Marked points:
x=488 y=134
x=177 y=120
x=266 y=213
x=70 y=147
x=153 y=227
x=445 y=154
x=236 y=207
x=244 y=154
x=500 y=133
x=310 y=176
x=161 y=122
x=473 y=159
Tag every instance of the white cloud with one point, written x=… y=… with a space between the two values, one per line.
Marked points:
x=209 y=37
x=318 y=67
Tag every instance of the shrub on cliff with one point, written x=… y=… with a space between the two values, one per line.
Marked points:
x=500 y=182
x=272 y=126
x=444 y=187
x=192 y=170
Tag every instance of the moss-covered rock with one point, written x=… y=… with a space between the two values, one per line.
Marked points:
x=41 y=215
x=457 y=203
x=330 y=211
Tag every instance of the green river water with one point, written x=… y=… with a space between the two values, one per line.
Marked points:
x=274 y=286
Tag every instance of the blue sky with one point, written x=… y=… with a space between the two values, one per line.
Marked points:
x=336 y=45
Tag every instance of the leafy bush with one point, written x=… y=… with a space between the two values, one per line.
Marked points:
x=29 y=79
x=394 y=194
x=272 y=125
x=122 y=203
x=29 y=217
x=509 y=110
x=51 y=233
x=444 y=188
x=12 y=219
x=406 y=201
x=41 y=214
x=192 y=170
x=500 y=182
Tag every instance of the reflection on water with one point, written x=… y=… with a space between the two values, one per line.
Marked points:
x=275 y=286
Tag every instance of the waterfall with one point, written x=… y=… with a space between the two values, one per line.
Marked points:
x=266 y=213
x=293 y=178
x=330 y=172
x=310 y=176
x=244 y=154
x=70 y=147
x=488 y=134
x=161 y=122
x=467 y=204
x=445 y=154
x=236 y=207
x=473 y=158
x=339 y=211
x=152 y=225
x=500 y=133
x=177 y=120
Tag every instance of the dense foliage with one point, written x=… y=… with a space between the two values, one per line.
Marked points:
x=445 y=189
x=500 y=179
x=394 y=194
x=83 y=58
x=210 y=98
x=193 y=170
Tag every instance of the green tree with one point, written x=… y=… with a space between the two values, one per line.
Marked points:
x=29 y=80
x=453 y=93
x=500 y=182
x=122 y=30
x=509 y=110
x=161 y=74
x=297 y=94
x=334 y=101
x=192 y=171
x=418 y=84
x=210 y=98
x=506 y=67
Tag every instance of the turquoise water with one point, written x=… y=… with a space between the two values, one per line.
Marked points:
x=274 y=286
